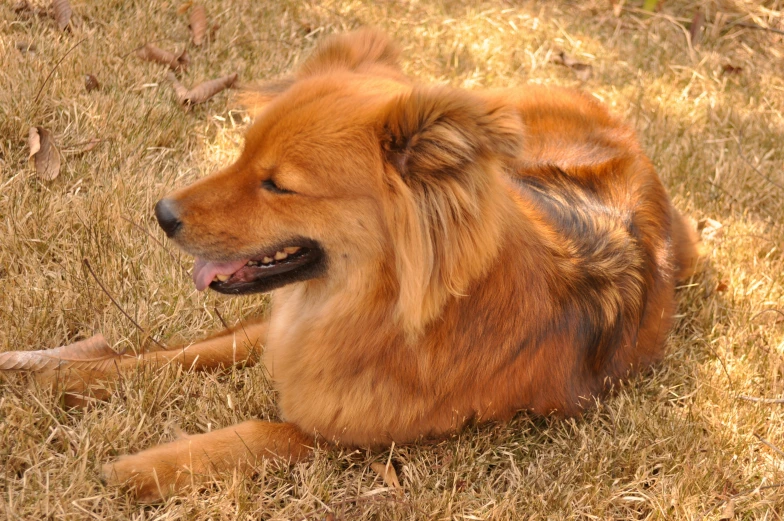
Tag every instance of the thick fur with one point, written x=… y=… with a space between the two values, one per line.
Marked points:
x=487 y=253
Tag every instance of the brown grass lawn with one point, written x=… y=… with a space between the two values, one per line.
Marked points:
x=682 y=442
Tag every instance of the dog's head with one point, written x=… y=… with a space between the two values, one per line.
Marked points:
x=350 y=170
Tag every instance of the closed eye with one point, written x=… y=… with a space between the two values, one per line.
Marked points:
x=270 y=186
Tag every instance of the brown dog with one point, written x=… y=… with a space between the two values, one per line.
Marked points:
x=436 y=256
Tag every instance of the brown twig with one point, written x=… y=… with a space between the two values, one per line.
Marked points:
x=179 y=40
x=221 y=318
x=760 y=400
x=140 y=328
x=770 y=445
x=739 y=494
x=77 y=44
x=376 y=499
x=755 y=26
x=774 y=310
x=766 y=178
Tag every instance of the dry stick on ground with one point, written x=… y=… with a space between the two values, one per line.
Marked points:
x=739 y=139
x=77 y=44
x=134 y=50
x=739 y=494
x=221 y=318
x=774 y=310
x=140 y=328
x=755 y=26
x=226 y=325
x=770 y=445
x=760 y=400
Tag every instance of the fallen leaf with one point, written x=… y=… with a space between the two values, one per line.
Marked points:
x=583 y=71
x=43 y=153
x=388 y=474
x=155 y=54
x=203 y=91
x=179 y=89
x=92 y=354
x=728 y=512
x=650 y=5
x=617 y=8
x=91 y=83
x=722 y=287
x=82 y=148
x=62 y=13
x=198 y=23
x=22 y=6
x=696 y=26
x=710 y=229
x=731 y=69
x=25 y=47
x=183 y=8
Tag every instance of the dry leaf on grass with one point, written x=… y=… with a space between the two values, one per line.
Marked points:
x=617 y=7
x=92 y=354
x=583 y=71
x=81 y=148
x=25 y=9
x=728 y=512
x=695 y=29
x=388 y=475
x=43 y=153
x=198 y=23
x=179 y=89
x=91 y=83
x=183 y=8
x=155 y=54
x=25 y=47
x=710 y=229
x=62 y=13
x=201 y=92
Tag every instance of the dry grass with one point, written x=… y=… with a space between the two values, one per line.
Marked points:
x=677 y=443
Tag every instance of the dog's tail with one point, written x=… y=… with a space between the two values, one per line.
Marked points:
x=686 y=246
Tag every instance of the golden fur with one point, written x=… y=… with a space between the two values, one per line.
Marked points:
x=484 y=253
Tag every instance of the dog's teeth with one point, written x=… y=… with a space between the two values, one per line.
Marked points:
x=222 y=277
x=267 y=260
x=291 y=249
x=279 y=255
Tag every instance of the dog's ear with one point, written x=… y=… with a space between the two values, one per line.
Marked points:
x=364 y=50
x=440 y=131
x=444 y=151
x=359 y=50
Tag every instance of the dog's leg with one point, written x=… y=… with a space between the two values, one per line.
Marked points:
x=158 y=472
x=240 y=345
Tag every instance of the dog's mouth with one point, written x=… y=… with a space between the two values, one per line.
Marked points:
x=272 y=269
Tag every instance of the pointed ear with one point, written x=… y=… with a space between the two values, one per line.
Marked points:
x=359 y=50
x=438 y=131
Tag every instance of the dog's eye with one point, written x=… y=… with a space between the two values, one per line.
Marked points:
x=270 y=186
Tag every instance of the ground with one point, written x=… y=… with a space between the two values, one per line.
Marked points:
x=689 y=439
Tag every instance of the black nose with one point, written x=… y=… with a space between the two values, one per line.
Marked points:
x=168 y=217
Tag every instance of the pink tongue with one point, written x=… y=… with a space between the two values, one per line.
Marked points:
x=204 y=271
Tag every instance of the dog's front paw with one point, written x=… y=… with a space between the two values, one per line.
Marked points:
x=156 y=473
